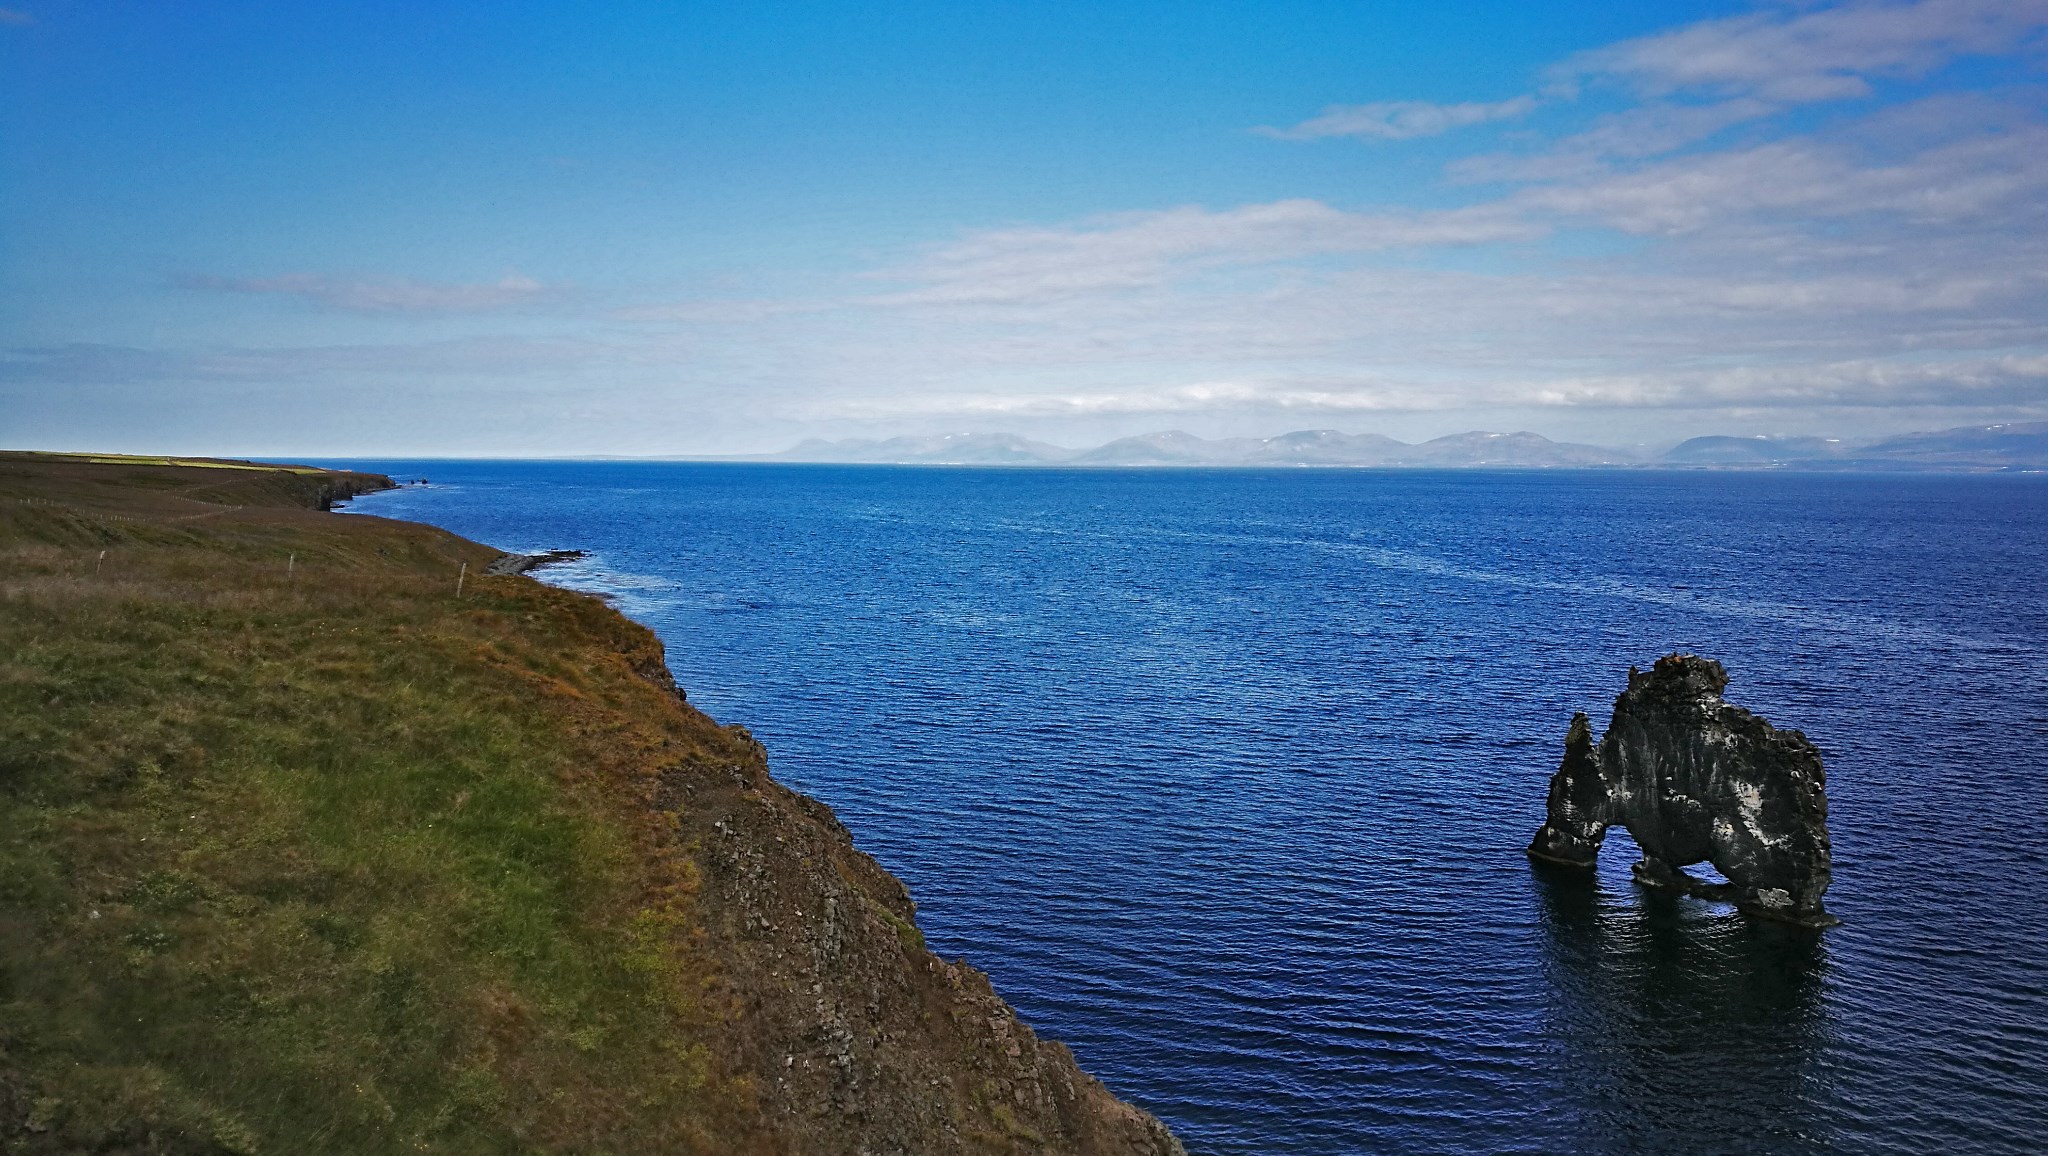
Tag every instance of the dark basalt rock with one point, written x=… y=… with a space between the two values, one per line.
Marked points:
x=1696 y=779
x=521 y=563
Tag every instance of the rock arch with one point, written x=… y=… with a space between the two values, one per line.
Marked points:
x=1696 y=779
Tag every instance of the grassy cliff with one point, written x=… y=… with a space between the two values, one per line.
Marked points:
x=304 y=852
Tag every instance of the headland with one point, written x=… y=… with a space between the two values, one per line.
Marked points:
x=324 y=837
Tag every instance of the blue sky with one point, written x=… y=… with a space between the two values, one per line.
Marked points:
x=700 y=228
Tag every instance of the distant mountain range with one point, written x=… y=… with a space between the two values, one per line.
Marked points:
x=1997 y=447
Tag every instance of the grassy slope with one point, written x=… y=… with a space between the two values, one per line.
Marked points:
x=333 y=861
x=303 y=852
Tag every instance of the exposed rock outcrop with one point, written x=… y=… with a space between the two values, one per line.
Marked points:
x=858 y=1039
x=1695 y=779
x=521 y=563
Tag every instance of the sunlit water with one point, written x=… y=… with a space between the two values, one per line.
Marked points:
x=1225 y=776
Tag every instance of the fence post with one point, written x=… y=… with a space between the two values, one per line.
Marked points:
x=459 y=577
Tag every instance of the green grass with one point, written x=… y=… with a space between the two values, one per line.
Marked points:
x=334 y=862
x=194 y=463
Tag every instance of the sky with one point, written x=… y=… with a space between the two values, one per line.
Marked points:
x=635 y=228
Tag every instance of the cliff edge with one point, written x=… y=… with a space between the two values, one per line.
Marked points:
x=307 y=852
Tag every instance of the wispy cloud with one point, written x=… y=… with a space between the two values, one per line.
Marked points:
x=721 y=310
x=1747 y=67
x=1368 y=395
x=1138 y=250
x=15 y=17
x=1631 y=134
x=383 y=295
x=1402 y=119
x=494 y=357
x=2011 y=381
x=1862 y=383
x=1800 y=191
x=1977 y=179
x=1893 y=259
x=1795 y=53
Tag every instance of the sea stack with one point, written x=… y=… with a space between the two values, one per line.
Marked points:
x=1695 y=778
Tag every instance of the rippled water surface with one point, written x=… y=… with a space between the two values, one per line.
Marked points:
x=1224 y=776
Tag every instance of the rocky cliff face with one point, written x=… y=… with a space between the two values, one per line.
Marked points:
x=1696 y=779
x=856 y=1038
x=847 y=1034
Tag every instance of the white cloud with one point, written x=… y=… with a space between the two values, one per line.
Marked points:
x=1876 y=264
x=1862 y=383
x=483 y=356
x=720 y=310
x=1402 y=119
x=1133 y=251
x=1797 y=53
x=1631 y=134
x=1855 y=384
x=1748 y=67
x=1970 y=180
x=383 y=295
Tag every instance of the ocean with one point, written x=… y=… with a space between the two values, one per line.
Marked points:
x=1224 y=776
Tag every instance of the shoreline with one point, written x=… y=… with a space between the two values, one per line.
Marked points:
x=342 y=731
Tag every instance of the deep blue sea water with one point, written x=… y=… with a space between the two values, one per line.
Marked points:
x=1224 y=776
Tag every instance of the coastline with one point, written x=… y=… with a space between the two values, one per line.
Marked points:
x=730 y=972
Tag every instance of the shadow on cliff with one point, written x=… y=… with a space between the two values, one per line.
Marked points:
x=1679 y=1025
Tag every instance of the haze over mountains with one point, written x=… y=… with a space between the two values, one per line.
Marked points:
x=1998 y=447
